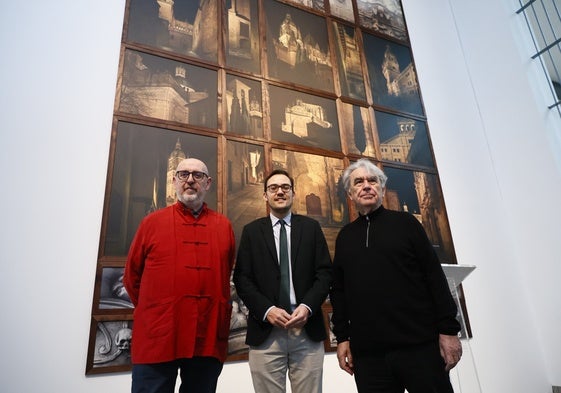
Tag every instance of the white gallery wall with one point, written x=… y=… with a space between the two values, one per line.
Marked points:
x=497 y=149
x=498 y=155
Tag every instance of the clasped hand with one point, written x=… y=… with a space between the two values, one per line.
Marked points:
x=280 y=318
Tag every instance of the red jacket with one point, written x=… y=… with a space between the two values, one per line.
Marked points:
x=178 y=277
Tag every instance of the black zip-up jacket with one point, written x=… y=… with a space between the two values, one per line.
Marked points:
x=389 y=290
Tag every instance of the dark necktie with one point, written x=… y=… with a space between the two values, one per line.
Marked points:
x=284 y=295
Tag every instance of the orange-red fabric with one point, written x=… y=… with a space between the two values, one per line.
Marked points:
x=178 y=277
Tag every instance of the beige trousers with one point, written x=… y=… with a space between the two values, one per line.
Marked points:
x=287 y=351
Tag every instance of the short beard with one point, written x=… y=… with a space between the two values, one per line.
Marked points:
x=190 y=201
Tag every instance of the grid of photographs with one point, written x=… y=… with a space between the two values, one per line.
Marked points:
x=249 y=86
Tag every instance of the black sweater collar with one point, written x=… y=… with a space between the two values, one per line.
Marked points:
x=372 y=215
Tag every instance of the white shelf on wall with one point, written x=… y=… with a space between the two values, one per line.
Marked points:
x=464 y=376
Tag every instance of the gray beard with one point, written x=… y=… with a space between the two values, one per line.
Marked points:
x=190 y=201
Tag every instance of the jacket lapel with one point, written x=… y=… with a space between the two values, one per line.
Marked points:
x=267 y=231
x=295 y=237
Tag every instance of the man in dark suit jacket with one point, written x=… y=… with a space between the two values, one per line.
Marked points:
x=284 y=336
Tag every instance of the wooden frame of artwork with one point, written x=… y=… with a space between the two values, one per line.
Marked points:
x=249 y=86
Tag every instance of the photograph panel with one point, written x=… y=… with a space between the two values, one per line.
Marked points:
x=244 y=106
x=313 y=4
x=169 y=90
x=110 y=348
x=242 y=40
x=393 y=79
x=349 y=61
x=356 y=129
x=403 y=140
x=342 y=9
x=145 y=163
x=383 y=16
x=237 y=348
x=187 y=28
x=303 y=119
x=245 y=166
x=298 y=46
x=113 y=294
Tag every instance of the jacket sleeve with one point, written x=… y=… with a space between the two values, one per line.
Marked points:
x=134 y=266
x=445 y=306
x=245 y=279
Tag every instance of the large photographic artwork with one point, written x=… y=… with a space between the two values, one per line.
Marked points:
x=249 y=86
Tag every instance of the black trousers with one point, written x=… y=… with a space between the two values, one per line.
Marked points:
x=419 y=369
x=198 y=375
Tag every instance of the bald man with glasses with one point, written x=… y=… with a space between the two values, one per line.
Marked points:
x=178 y=277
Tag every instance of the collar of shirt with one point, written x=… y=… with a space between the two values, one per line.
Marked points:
x=194 y=213
x=287 y=219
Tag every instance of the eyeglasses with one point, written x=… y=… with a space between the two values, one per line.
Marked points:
x=275 y=187
x=184 y=175
x=361 y=181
